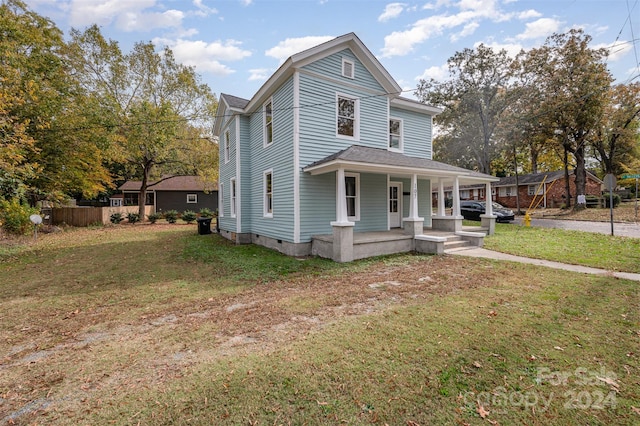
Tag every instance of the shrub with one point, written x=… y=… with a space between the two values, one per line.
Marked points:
x=153 y=217
x=205 y=212
x=616 y=200
x=189 y=216
x=133 y=217
x=116 y=218
x=14 y=216
x=171 y=216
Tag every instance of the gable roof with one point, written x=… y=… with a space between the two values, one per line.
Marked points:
x=537 y=178
x=175 y=183
x=364 y=158
x=300 y=59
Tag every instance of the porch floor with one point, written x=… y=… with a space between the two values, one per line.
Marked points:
x=394 y=234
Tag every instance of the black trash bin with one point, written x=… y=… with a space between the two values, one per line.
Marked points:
x=204 y=225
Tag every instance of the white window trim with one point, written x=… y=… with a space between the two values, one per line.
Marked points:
x=265 y=212
x=233 y=196
x=357 y=216
x=265 y=142
x=400 y=147
x=353 y=68
x=227 y=146
x=221 y=200
x=535 y=189
x=356 y=113
x=195 y=198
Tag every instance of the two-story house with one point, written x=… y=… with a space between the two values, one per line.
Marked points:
x=328 y=158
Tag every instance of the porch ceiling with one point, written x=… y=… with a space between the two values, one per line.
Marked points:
x=375 y=160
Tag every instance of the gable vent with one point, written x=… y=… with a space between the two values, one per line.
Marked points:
x=347 y=68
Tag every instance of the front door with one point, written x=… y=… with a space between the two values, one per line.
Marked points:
x=395 y=213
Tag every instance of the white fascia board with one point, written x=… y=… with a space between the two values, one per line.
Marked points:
x=332 y=166
x=415 y=106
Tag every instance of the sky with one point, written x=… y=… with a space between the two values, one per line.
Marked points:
x=235 y=45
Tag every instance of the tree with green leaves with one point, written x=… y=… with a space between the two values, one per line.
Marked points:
x=158 y=111
x=573 y=82
x=40 y=99
x=474 y=98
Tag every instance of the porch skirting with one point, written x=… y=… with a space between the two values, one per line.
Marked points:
x=366 y=244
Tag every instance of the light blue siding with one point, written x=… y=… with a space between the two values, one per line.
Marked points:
x=416 y=132
x=227 y=171
x=278 y=156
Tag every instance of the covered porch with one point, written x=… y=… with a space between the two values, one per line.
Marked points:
x=427 y=234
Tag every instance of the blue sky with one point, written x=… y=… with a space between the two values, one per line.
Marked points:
x=235 y=45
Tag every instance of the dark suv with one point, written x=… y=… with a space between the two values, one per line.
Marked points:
x=472 y=210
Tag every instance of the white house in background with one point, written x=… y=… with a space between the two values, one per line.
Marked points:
x=328 y=158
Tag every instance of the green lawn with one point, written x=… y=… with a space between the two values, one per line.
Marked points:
x=157 y=325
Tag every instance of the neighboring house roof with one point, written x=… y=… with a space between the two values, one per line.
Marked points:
x=294 y=62
x=175 y=183
x=537 y=178
x=376 y=159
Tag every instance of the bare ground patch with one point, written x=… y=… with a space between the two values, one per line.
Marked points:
x=96 y=357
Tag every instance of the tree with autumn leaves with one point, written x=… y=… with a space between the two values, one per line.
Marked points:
x=76 y=117
x=552 y=106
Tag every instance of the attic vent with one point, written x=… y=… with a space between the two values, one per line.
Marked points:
x=347 y=68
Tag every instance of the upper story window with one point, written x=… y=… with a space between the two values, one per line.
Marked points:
x=348 y=111
x=347 y=68
x=268 y=193
x=268 y=124
x=227 y=146
x=395 y=134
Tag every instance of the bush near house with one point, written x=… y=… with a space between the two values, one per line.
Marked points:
x=153 y=217
x=171 y=216
x=189 y=216
x=14 y=216
x=205 y=212
x=133 y=217
x=116 y=218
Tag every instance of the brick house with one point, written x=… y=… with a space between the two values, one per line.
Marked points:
x=550 y=191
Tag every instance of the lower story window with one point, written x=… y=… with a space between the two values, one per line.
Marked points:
x=352 y=193
x=192 y=198
x=268 y=193
x=233 y=196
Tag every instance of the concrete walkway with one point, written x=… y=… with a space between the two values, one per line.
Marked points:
x=490 y=254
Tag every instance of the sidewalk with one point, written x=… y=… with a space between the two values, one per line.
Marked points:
x=489 y=254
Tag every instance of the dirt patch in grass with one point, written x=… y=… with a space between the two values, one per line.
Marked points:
x=61 y=363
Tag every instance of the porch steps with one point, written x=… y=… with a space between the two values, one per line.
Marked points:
x=455 y=242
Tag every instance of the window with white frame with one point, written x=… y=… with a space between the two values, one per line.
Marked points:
x=232 y=189
x=192 y=198
x=227 y=146
x=268 y=124
x=535 y=189
x=221 y=200
x=507 y=191
x=268 y=193
x=352 y=194
x=464 y=194
x=347 y=68
x=395 y=134
x=347 y=117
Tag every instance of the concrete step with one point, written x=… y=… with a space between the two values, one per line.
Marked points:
x=456 y=244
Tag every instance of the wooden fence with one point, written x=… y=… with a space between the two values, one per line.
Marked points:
x=85 y=216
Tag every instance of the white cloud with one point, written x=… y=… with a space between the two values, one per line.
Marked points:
x=540 y=28
x=529 y=14
x=617 y=50
x=206 y=56
x=466 y=31
x=202 y=9
x=401 y=43
x=440 y=73
x=392 y=10
x=259 y=74
x=149 y=21
x=512 y=49
x=291 y=46
x=103 y=12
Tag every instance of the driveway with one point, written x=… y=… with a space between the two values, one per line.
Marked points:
x=620 y=229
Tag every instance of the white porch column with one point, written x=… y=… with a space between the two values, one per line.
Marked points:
x=488 y=219
x=342 y=245
x=341 y=203
x=456 y=198
x=441 y=200
x=413 y=225
x=488 y=210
